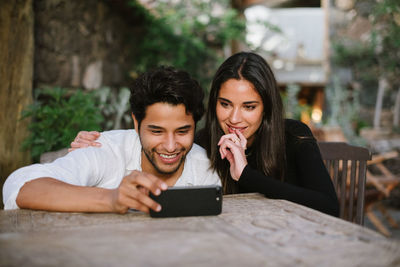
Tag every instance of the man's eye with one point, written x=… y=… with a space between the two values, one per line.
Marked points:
x=183 y=132
x=156 y=131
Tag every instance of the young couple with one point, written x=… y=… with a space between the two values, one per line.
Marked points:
x=248 y=143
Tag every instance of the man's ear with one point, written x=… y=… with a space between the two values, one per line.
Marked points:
x=135 y=123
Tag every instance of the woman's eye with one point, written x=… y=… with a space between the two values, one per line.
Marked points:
x=223 y=104
x=249 y=107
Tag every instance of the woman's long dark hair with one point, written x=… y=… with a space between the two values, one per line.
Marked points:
x=269 y=142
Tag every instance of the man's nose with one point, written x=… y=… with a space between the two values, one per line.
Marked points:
x=170 y=143
x=235 y=116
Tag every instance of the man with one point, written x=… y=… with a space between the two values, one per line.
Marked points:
x=166 y=104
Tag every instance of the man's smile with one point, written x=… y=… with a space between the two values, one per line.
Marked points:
x=169 y=158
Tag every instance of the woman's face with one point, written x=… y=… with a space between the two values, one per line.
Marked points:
x=239 y=107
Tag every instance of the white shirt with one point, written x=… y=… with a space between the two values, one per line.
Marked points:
x=105 y=167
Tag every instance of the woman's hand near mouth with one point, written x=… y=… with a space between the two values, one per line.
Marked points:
x=232 y=147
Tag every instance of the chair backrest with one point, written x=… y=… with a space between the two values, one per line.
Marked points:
x=347 y=167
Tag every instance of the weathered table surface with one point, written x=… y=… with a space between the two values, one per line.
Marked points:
x=251 y=231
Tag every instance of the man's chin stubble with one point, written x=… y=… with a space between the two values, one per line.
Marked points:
x=152 y=161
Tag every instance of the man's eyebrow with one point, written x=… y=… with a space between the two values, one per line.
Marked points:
x=185 y=127
x=155 y=127
x=246 y=103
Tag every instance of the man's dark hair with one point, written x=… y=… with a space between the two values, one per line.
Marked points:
x=166 y=85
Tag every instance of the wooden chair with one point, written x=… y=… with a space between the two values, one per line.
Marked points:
x=380 y=187
x=347 y=167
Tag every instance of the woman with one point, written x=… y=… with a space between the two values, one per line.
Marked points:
x=252 y=147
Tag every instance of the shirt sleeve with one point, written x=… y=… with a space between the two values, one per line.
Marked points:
x=82 y=167
x=315 y=189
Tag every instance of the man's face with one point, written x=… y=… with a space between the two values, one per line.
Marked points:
x=166 y=134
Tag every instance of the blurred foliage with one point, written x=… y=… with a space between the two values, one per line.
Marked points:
x=115 y=107
x=344 y=110
x=359 y=57
x=379 y=55
x=188 y=35
x=57 y=116
x=386 y=19
x=373 y=57
x=293 y=108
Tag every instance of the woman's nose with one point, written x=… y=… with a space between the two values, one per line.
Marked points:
x=235 y=116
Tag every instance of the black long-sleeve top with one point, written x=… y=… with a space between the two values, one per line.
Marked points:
x=306 y=180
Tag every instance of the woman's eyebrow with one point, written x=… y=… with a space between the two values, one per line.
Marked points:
x=245 y=103
x=251 y=102
x=224 y=99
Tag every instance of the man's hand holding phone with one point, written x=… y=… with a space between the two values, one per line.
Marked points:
x=133 y=193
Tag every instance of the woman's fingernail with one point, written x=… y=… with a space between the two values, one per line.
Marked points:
x=164 y=186
x=158 y=191
x=158 y=208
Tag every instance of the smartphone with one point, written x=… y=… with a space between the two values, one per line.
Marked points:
x=189 y=201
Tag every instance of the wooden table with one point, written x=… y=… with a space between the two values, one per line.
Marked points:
x=251 y=231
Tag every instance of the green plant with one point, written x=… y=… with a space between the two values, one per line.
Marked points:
x=189 y=35
x=344 y=108
x=375 y=58
x=56 y=117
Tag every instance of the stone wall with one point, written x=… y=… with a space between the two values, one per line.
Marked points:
x=83 y=44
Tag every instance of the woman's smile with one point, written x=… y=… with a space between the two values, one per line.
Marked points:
x=233 y=129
